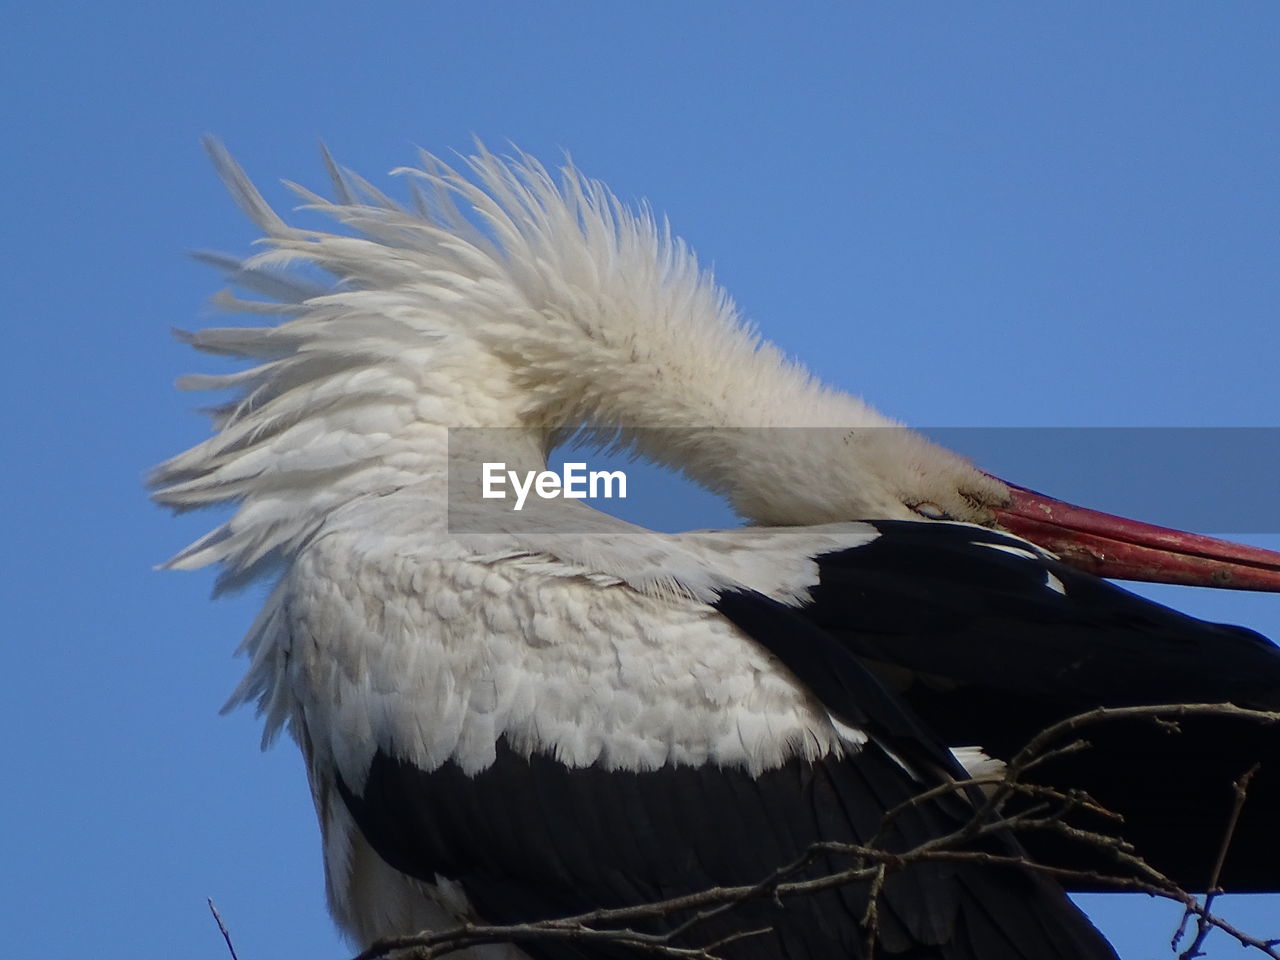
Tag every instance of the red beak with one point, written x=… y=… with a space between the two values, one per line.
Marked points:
x=1110 y=546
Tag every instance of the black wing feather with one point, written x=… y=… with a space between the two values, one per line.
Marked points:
x=983 y=651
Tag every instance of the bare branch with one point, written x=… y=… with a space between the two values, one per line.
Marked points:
x=222 y=927
x=1241 y=790
x=871 y=864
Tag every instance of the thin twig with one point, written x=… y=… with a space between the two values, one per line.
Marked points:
x=223 y=927
x=1240 y=790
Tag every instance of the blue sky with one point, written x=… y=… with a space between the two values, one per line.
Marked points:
x=989 y=214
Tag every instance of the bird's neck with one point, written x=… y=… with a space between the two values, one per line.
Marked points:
x=701 y=394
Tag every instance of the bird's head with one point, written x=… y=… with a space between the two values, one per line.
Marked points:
x=902 y=475
x=509 y=296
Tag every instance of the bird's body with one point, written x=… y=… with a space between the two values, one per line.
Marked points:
x=514 y=719
x=552 y=733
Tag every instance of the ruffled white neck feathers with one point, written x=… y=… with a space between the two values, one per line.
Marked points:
x=547 y=306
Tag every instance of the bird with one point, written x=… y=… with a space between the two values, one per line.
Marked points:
x=509 y=717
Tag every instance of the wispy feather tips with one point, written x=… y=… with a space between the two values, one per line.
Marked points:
x=243 y=191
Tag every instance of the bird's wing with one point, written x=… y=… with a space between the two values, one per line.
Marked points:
x=990 y=640
x=553 y=743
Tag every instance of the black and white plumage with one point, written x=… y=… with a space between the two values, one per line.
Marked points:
x=516 y=725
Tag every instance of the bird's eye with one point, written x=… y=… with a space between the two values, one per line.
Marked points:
x=931 y=511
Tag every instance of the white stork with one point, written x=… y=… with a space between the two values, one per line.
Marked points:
x=516 y=725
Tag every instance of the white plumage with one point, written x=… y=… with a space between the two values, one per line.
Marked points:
x=398 y=637
x=389 y=631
